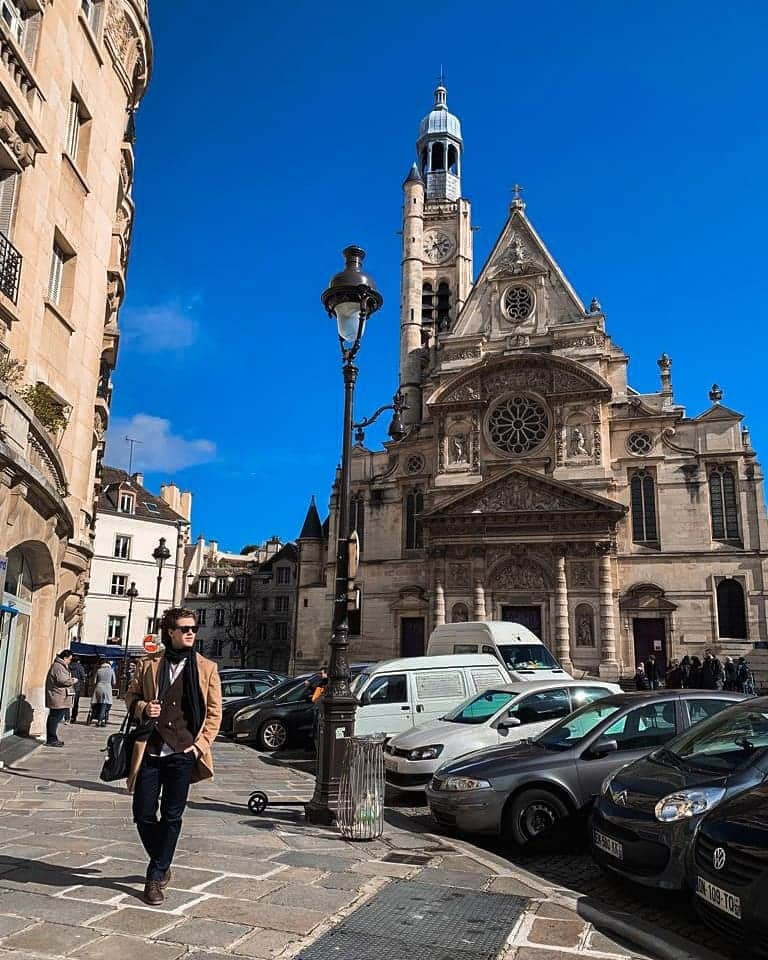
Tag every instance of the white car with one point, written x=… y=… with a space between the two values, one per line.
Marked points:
x=505 y=713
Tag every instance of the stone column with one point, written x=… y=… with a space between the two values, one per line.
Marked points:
x=478 y=612
x=562 y=626
x=609 y=667
x=439 y=604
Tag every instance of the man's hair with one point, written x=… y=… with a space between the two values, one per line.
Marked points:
x=169 y=619
x=63 y=654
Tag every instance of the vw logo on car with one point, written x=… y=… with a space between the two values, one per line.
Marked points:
x=718 y=858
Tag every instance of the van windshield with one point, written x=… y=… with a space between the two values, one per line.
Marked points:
x=480 y=708
x=358 y=681
x=527 y=656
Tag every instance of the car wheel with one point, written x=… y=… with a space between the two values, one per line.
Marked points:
x=272 y=735
x=534 y=818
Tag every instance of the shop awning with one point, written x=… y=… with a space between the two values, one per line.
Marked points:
x=109 y=651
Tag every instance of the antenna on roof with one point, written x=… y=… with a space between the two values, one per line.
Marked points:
x=132 y=443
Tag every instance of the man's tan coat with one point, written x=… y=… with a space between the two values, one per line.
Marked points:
x=143 y=688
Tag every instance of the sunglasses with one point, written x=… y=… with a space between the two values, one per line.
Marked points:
x=189 y=629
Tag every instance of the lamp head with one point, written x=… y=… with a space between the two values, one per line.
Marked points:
x=161 y=553
x=132 y=592
x=351 y=298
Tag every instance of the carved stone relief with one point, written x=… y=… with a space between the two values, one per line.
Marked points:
x=514 y=576
x=459 y=574
x=585 y=625
x=582 y=575
x=22 y=148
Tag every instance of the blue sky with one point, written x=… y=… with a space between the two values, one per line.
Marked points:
x=270 y=140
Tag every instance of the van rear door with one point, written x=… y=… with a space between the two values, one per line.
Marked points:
x=435 y=692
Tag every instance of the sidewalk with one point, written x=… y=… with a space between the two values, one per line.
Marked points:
x=259 y=887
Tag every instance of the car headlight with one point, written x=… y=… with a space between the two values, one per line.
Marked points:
x=607 y=783
x=246 y=714
x=464 y=783
x=426 y=753
x=688 y=803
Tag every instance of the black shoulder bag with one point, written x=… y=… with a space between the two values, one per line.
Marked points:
x=119 y=751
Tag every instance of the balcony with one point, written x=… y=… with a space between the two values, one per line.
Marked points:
x=10 y=268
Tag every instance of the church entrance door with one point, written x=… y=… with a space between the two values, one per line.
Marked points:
x=412 y=636
x=528 y=616
x=650 y=638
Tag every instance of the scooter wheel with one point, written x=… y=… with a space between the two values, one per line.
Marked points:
x=257 y=802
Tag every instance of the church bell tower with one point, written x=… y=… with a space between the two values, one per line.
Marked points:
x=437 y=245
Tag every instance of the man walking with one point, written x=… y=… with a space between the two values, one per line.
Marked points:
x=652 y=672
x=59 y=685
x=78 y=672
x=176 y=696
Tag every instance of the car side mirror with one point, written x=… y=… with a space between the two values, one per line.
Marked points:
x=507 y=723
x=602 y=747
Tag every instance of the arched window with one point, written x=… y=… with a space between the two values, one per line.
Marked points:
x=459 y=613
x=438 y=156
x=643 y=499
x=424 y=161
x=443 y=306
x=453 y=160
x=731 y=617
x=722 y=500
x=427 y=303
x=414 y=505
x=357 y=517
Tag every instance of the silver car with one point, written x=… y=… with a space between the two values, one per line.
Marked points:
x=527 y=791
x=504 y=714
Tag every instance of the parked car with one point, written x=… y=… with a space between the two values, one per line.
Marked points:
x=729 y=875
x=398 y=693
x=528 y=791
x=251 y=673
x=521 y=651
x=245 y=687
x=501 y=715
x=233 y=707
x=644 y=820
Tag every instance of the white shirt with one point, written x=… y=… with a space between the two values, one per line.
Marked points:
x=174 y=671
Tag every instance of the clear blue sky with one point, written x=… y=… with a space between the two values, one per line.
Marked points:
x=270 y=140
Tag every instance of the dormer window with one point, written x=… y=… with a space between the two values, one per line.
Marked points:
x=204 y=585
x=127 y=503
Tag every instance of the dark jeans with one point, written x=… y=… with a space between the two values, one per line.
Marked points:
x=52 y=724
x=163 y=779
x=75 y=708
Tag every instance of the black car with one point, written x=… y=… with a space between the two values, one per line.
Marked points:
x=233 y=707
x=251 y=673
x=729 y=873
x=644 y=820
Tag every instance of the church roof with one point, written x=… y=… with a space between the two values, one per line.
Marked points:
x=413 y=175
x=439 y=120
x=312 y=529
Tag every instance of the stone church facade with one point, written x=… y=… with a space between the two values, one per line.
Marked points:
x=534 y=483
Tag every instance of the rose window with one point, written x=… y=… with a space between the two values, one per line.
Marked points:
x=518 y=302
x=415 y=463
x=639 y=444
x=518 y=424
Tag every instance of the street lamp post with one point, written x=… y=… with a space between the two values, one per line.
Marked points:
x=131 y=593
x=351 y=298
x=160 y=554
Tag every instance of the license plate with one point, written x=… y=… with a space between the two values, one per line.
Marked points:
x=608 y=845
x=718 y=897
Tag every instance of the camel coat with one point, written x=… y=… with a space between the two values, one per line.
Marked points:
x=143 y=688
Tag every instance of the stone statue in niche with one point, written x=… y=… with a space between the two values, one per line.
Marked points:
x=578 y=443
x=584 y=632
x=457 y=448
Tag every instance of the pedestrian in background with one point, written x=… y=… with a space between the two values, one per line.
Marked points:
x=176 y=697
x=744 y=680
x=685 y=671
x=729 y=671
x=101 y=701
x=78 y=672
x=712 y=673
x=653 y=673
x=694 y=677
x=59 y=684
x=674 y=680
x=641 y=681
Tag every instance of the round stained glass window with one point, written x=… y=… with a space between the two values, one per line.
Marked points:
x=518 y=424
x=639 y=444
x=517 y=302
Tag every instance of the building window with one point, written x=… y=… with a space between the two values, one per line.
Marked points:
x=9 y=182
x=238 y=617
x=92 y=11
x=281 y=604
x=427 y=303
x=261 y=632
x=61 y=276
x=722 y=498
x=643 y=501
x=115 y=629
x=731 y=617
x=221 y=584
x=204 y=585
x=119 y=584
x=77 y=133
x=153 y=626
x=201 y=613
x=357 y=517
x=127 y=502
x=282 y=632
x=283 y=575
x=14 y=20
x=56 y=274
x=122 y=547
x=218 y=618
x=218 y=648
x=242 y=585
x=443 y=306
x=152 y=507
x=414 y=506
x=265 y=604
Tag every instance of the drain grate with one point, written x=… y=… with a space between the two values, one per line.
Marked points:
x=414 y=858
x=420 y=921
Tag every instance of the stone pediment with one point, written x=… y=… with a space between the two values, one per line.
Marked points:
x=523 y=491
x=720 y=412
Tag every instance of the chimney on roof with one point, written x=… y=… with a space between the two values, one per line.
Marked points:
x=172 y=496
x=138 y=479
x=214 y=549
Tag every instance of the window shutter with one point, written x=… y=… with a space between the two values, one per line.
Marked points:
x=57 y=270
x=9 y=181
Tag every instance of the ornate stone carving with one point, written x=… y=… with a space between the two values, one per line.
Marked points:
x=587 y=340
x=459 y=574
x=464 y=353
x=583 y=574
x=458 y=449
x=585 y=625
x=475 y=444
x=414 y=463
x=463 y=393
x=22 y=149
x=518 y=340
x=514 y=575
x=578 y=442
x=515 y=261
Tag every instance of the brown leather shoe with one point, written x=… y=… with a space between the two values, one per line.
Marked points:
x=166 y=879
x=153 y=894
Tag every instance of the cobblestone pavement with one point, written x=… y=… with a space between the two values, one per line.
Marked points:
x=574 y=869
x=71 y=869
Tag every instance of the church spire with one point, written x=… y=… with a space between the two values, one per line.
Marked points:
x=312 y=529
x=439 y=148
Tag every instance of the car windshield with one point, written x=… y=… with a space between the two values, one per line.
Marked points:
x=724 y=743
x=480 y=708
x=358 y=681
x=527 y=656
x=573 y=728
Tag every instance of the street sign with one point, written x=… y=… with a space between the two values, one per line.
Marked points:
x=150 y=643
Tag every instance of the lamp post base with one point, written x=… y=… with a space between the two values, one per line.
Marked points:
x=337 y=724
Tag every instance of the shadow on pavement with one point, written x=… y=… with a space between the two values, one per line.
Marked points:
x=21 y=871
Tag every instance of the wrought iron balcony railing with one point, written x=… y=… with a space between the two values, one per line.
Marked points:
x=10 y=268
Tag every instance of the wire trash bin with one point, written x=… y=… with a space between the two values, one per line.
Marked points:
x=360 y=811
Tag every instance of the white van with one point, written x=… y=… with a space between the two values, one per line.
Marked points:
x=523 y=654
x=395 y=695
